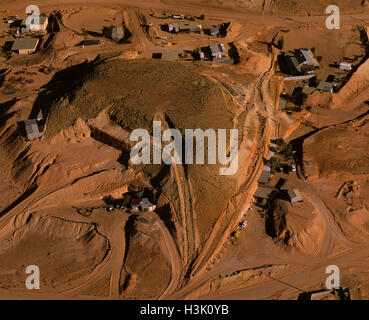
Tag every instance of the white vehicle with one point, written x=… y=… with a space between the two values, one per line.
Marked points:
x=243 y=224
x=146 y=205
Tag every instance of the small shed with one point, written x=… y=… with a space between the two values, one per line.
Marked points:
x=32 y=129
x=214 y=31
x=345 y=66
x=117 y=33
x=263 y=193
x=294 y=195
x=178 y=16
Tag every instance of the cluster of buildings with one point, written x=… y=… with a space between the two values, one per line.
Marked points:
x=38 y=24
x=264 y=192
x=192 y=26
x=216 y=52
x=195 y=27
x=298 y=62
x=28 y=25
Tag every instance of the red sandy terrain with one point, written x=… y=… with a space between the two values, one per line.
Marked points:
x=53 y=207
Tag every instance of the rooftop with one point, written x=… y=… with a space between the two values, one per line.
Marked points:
x=170 y=55
x=185 y=26
x=117 y=33
x=325 y=86
x=294 y=194
x=32 y=130
x=218 y=49
x=263 y=193
x=25 y=44
x=307 y=57
x=264 y=177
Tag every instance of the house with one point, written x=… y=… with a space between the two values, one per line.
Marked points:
x=218 y=51
x=117 y=33
x=325 y=86
x=25 y=46
x=263 y=193
x=36 y=23
x=288 y=63
x=294 y=195
x=188 y=26
x=32 y=129
x=297 y=62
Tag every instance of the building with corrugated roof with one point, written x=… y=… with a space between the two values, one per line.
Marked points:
x=294 y=195
x=25 y=46
x=32 y=129
x=188 y=26
x=264 y=177
x=325 y=86
x=218 y=50
x=297 y=62
x=263 y=193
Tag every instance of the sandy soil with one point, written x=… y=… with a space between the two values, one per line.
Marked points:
x=52 y=208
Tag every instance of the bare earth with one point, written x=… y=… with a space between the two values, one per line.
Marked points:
x=52 y=208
